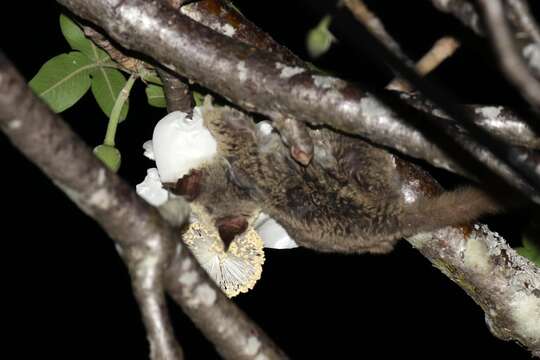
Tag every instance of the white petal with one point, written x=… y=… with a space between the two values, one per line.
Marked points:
x=181 y=143
x=273 y=235
x=151 y=189
x=148 y=150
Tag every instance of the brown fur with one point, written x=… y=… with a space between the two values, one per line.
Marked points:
x=347 y=200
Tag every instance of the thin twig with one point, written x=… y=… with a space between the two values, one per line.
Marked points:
x=362 y=13
x=463 y=10
x=441 y=50
x=148 y=243
x=524 y=19
x=503 y=41
x=177 y=92
x=466 y=13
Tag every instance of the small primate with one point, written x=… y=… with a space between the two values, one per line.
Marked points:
x=347 y=199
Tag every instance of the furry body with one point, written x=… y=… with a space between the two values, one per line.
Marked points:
x=347 y=199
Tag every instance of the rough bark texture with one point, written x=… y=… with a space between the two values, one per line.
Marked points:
x=504 y=284
x=148 y=244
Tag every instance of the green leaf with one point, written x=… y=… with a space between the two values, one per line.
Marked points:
x=198 y=98
x=319 y=39
x=156 y=96
x=63 y=80
x=106 y=85
x=150 y=76
x=109 y=155
x=75 y=36
x=530 y=250
x=78 y=41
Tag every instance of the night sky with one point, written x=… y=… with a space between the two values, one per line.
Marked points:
x=70 y=293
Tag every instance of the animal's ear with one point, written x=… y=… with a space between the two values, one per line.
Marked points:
x=231 y=226
x=233 y=130
x=189 y=186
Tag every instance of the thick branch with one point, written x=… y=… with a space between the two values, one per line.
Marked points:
x=504 y=284
x=498 y=120
x=147 y=242
x=257 y=80
x=218 y=15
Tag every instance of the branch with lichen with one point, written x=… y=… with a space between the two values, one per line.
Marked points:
x=150 y=247
x=258 y=81
x=505 y=285
x=223 y=18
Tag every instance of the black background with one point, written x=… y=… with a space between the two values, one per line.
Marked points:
x=69 y=294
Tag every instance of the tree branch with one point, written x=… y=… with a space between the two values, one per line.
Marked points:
x=177 y=92
x=466 y=13
x=497 y=120
x=503 y=41
x=148 y=243
x=521 y=13
x=256 y=80
x=219 y=16
x=504 y=284
x=362 y=13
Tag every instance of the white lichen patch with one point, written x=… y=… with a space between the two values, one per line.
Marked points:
x=531 y=53
x=15 y=124
x=205 y=295
x=328 y=82
x=137 y=18
x=147 y=270
x=252 y=346
x=525 y=309
x=261 y=356
x=489 y=112
x=476 y=256
x=193 y=13
x=373 y=109
x=101 y=177
x=181 y=143
x=101 y=199
x=227 y=30
x=151 y=189
x=288 y=71
x=242 y=71
x=188 y=278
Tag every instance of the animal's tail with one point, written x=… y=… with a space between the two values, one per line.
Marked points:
x=456 y=207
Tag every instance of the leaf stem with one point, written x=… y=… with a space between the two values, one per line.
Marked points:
x=117 y=108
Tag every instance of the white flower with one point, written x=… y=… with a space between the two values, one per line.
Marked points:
x=180 y=144
x=151 y=188
x=273 y=235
